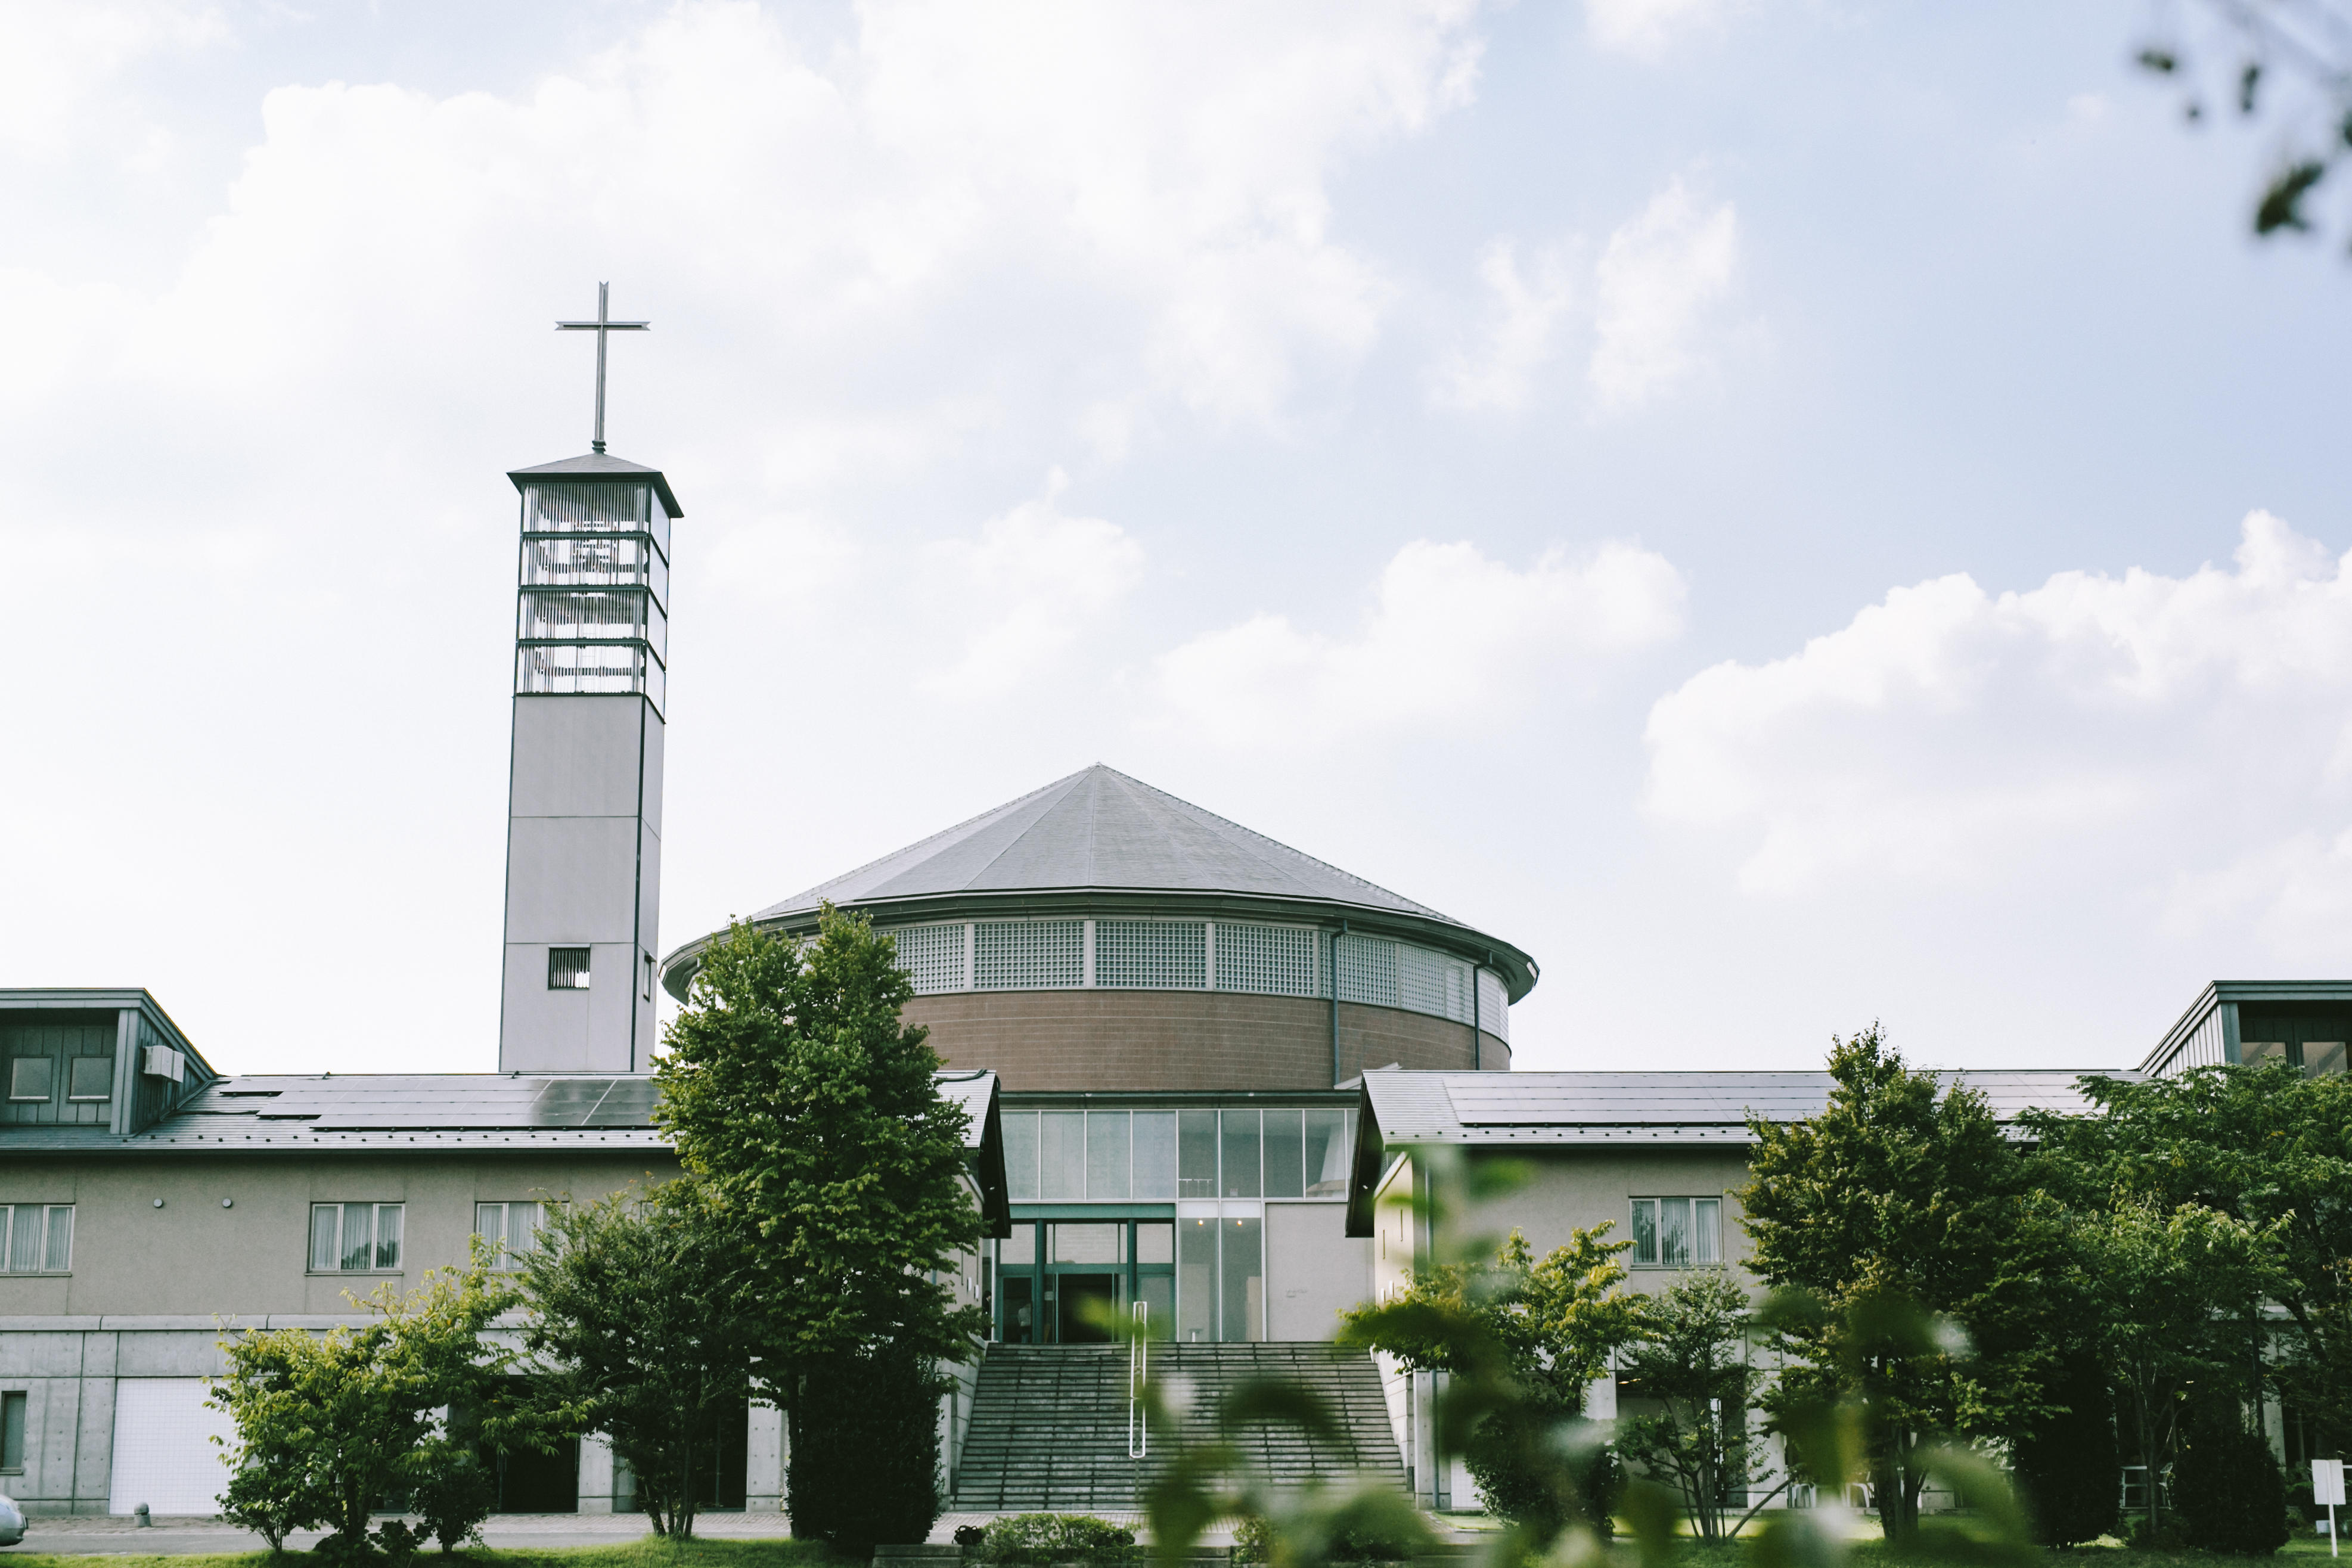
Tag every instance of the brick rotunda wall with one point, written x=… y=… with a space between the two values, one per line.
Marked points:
x=1209 y=1042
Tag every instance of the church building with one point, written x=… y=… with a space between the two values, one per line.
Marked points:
x=1193 y=1058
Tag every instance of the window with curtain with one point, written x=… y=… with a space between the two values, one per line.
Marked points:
x=355 y=1238
x=512 y=1229
x=36 y=1237
x=1677 y=1232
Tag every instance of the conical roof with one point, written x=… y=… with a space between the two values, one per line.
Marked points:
x=1098 y=842
x=1097 y=829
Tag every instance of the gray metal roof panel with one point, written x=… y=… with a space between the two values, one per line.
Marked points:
x=1621 y=1108
x=598 y=465
x=414 y=1112
x=1099 y=829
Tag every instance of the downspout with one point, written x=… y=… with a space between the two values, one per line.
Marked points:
x=1335 y=1002
x=1477 y=1045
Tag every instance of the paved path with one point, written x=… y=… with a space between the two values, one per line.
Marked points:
x=101 y=1535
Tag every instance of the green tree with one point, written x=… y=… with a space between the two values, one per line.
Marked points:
x=2067 y=1463
x=330 y=1425
x=2265 y=1152
x=2169 y=1292
x=1904 y=1197
x=1690 y=1362
x=1521 y=1339
x=875 y=1477
x=645 y=1321
x=812 y=1116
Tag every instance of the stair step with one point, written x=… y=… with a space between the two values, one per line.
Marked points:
x=1049 y=1425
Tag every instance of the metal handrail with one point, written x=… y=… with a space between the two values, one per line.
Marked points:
x=1138 y=1370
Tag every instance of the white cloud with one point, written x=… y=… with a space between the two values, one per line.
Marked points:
x=1156 y=178
x=1658 y=281
x=1647 y=29
x=60 y=61
x=1527 y=313
x=1451 y=633
x=2190 y=733
x=1026 y=589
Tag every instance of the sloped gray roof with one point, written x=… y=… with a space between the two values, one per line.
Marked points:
x=598 y=465
x=416 y=1113
x=1620 y=1108
x=1099 y=829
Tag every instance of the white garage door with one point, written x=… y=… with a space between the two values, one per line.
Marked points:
x=163 y=1452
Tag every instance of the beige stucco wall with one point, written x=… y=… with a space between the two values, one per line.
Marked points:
x=1592 y=1186
x=1315 y=1268
x=193 y=1257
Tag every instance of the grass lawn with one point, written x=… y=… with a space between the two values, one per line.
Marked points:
x=650 y=1552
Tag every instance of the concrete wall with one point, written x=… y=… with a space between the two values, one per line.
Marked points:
x=583 y=870
x=1590 y=1187
x=1220 y=1041
x=1314 y=1268
x=150 y=1287
x=193 y=1255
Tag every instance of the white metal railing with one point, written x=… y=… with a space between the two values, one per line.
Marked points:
x=1138 y=1370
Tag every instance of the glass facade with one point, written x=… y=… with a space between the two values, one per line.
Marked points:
x=592 y=614
x=1179 y=1228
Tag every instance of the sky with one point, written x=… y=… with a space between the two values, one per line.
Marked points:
x=1794 y=512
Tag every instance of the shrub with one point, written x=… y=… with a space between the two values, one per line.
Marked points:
x=2227 y=1490
x=1515 y=1456
x=1034 y=1539
x=2066 y=1466
x=865 y=1452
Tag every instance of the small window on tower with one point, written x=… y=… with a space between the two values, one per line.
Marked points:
x=649 y=977
x=567 y=969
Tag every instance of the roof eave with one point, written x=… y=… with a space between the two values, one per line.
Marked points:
x=1518 y=970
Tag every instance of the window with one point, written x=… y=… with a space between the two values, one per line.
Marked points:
x=355 y=1238
x=12 y=1433
x=2323 y=1058
x=36 y=1237
x=567 y=969
x=1677 y=1232
x=649 y=977
x=511 y=1228
x=90 y=1077
x=32 y=1077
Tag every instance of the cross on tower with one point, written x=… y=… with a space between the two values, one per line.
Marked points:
x=600 y=326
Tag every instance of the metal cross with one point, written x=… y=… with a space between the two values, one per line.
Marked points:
x=600 y=327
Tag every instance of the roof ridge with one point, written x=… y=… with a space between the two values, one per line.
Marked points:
x=970 y=821
x=1252 y=833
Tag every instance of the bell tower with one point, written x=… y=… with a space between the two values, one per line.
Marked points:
x=585 y=788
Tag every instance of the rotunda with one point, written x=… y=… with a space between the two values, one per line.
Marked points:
x=1100 y=934
x=1178 y=1009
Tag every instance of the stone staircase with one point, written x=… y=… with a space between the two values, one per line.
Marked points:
x=1048 y=1427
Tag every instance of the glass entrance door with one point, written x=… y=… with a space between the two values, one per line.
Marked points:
x=1085 y=1305
x=1069 y=1281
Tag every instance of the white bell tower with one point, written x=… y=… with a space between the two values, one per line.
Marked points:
x=583 y=814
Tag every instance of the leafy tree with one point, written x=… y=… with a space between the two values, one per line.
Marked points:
x=644 y=1319
x=2263 y=1155
x=2169 y=1292
x=812 y=1117
x=2227 y=1490
x=875 y=1477
x=2066 y=1464
x=330 y=1425
x=1904 y=1197
x=1522 y=1340
x=1692 y=1362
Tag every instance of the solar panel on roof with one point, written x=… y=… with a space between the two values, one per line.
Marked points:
x=629 y=1103
x=567 y=1102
